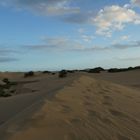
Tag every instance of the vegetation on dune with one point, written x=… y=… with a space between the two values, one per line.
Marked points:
x=70 y=71
x=62 y=73
x=4 y=94
x=46 y=72
x=6 y=80
x=29 y=74
x=5 y=87
x=96 y=70
x=113 y=70
x=53 y=73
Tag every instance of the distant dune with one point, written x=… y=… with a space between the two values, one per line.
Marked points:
x=87 y=109
x=128 y=78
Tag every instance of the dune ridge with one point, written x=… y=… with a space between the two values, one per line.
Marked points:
x=88 y=109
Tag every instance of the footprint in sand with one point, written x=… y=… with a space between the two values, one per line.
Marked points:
x=101 y=92
x=75 y=121
x=78 y=122
x=87 y=103
x=107 y=100
x=120 y=114
x=107 y=121
x=130 y=97
x=87 y=97
x=107 y=103
x=106 y=91
x=94 y=114
x=65 y=109
x=117 y=113
x=121 y=137
x=89 y=90
x=70 y=136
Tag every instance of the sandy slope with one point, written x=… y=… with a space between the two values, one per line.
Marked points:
x=29 y=96
x=89 y=109
x=128 y=78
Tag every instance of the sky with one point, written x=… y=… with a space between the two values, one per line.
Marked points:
x=69 y=34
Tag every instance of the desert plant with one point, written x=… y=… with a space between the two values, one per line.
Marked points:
x=70 y=71
x=137 y=67
x=96 y=70
x=53 y=73
x=62 y=73
x=6 y=81
x=46 y=72
x=113 y=70
x=29 y=74
x=6 y=95
x=3 y=93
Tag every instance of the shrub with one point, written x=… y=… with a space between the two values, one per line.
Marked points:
x=5 y=89
x=113 y=70
x=46 y=72
x=96 y=70
x=137 y=67
x=123 y=69
x=3 y=93
x=70 y=71
x=6 y=81
x=6 y=95
x=29 y=74
x=62 y=74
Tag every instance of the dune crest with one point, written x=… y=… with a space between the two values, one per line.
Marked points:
x=88 y=109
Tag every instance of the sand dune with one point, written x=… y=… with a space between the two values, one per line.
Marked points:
x=88 y=109
x=128 y=78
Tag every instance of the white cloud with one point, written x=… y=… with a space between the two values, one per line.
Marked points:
x=7 y=59
x=129 y=58
x=113 y=18
x=7 y=54
x=70 y=44
x=87 y=38
x=81 y=30
x=58 y=43
x=120 y=39
x=125 y=37
x=135 y=2
x=44 y=7
x=130 y=44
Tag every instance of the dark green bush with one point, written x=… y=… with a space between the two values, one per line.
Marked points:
x=70 y=71
x=46 y=72
x=3 y=93
x=96 y=70
x=6 y=80
x=113 y=70
x=62 y=73
x=29 y=74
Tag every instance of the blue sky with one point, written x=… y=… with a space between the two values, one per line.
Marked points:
x=68 y=34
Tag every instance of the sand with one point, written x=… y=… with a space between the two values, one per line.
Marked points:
x=129 y=78
x=86 y=109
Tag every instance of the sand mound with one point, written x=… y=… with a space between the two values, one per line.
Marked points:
x=89 y=109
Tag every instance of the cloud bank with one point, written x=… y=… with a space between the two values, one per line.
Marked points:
x=7 y=59
x=69 y=44
x=43 y=7
x=7 y=55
